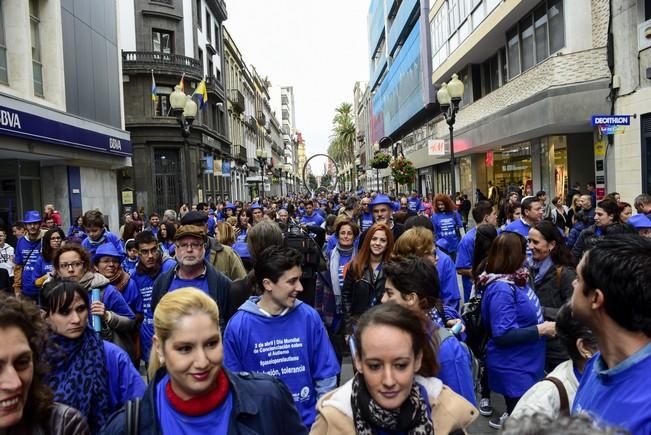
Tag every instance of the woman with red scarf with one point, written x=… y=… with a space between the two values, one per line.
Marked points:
x=191 y=392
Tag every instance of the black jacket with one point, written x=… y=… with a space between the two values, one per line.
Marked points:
x=61 y=420
x=553 y=291
x=261 y=405
x=358 y=295
x=218 y=284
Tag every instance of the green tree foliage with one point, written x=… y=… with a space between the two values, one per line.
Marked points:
x=342 y=140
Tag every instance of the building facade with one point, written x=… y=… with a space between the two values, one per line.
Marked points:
x=62 y=135
x=169 y=42
x=288 y=119
x=628 y=156
x=534 y=74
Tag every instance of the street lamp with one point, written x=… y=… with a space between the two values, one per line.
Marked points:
x=449 y=97
x=288 y=170
x=262 y=160
x=185 y=110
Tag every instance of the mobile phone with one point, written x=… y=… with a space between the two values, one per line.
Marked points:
x=456 y=329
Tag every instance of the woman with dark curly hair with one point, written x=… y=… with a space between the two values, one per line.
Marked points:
x=166 y=238
x=26 y=402
x=447 y=225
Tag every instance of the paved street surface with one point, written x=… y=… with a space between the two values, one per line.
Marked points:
x=479 y=427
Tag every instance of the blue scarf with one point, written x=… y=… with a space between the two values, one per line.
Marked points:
x=335 y=258
x=540 y=269
x=79 y=377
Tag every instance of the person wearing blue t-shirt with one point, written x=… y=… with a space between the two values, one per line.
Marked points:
x=27 y=253
x=277 y=334
x=191 y=392
x=447 y=225
x=414 y=202
x=365 y=216
x=151 y=265
x=611 y=296
x=515 y=353
x=413 y=283
x=532 y=213
x=97 y=233
x=483 y=213
x=311 y=217
x=44 y=268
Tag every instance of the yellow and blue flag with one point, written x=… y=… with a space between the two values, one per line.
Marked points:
x=154 y=90
x=202 y=94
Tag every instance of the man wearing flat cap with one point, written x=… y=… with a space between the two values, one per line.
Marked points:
x=192 y=270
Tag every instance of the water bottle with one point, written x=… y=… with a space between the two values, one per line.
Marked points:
x=456 y=329
x=97 y=322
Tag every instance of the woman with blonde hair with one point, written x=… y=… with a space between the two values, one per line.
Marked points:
x=191 y=391
x=226 y=233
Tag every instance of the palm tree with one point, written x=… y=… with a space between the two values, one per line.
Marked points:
x=342 y=140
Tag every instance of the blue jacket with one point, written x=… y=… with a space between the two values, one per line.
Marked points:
x=219 y=289
x=261 y=405
x=448 y=280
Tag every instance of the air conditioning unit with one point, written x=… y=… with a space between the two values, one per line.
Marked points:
x=644 y=35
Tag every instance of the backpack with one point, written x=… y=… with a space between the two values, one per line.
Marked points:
x=476 y=333
x=444 y=334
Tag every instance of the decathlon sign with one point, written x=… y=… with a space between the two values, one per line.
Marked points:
x=611 y=124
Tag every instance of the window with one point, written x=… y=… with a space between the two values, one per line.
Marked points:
x=37 y=66
x=162 y=41
x=538 y=35
x=556 y=25
x=540 y=26
x=3 y=49
x=200 y=55
x=526 y=43
x=162 y=105
x=647 y=10
x=211 y=70
x=513 y=44
x=217 y=37
x=199 y=20
x=208 y=28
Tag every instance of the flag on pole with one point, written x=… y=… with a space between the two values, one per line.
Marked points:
x=181 y=82
x=201 y=94
x=154 y=90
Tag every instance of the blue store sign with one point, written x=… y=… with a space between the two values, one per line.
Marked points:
x=611 y=120
x=32 y=127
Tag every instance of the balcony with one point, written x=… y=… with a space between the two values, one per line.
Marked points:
x=237 y=100
x=239 y=153
x=251 y=123
x=161 y=63
x=262 y=120
x=214 y=85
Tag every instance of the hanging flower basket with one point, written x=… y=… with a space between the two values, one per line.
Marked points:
x=380 y=161
x=402 y=170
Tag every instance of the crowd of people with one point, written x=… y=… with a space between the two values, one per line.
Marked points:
x=237 y=317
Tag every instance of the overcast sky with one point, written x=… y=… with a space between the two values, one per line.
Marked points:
x=319 y=47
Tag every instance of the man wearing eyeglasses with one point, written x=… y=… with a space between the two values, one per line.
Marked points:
x=192 y=270
x=151 y=264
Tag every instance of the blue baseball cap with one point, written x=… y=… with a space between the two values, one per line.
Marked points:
x=31 y=217
x=639 y=221
x=381 y=199
x=231 y=206
x=106 y=250
x=255 y=205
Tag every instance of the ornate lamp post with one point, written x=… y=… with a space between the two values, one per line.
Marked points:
x=185 y=110
x=449 y=97
x=262 y=161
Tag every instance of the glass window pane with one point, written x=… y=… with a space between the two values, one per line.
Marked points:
x=556 y=25
x=502 y=62
x=36 y=52
x=156 y=41
x=166 y=43
x=526 y=36
x=2 y=26
x=3 y=65
x=513 y=42
x=495 y=73
x=540 y=24
x=38 y=78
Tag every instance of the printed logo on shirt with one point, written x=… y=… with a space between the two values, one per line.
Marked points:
x=305 y=393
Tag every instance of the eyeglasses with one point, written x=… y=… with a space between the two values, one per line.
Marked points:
x=74 y=265
x=186 y=246
x=147 y=252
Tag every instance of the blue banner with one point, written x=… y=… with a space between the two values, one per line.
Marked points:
x=32 y=127
x=611 y=120
x=226 y=168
